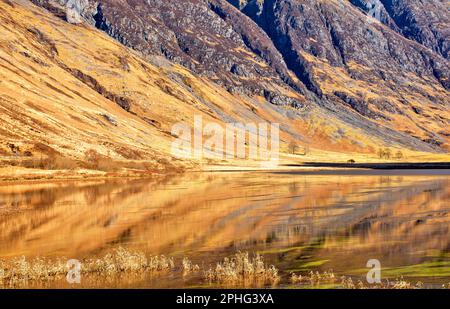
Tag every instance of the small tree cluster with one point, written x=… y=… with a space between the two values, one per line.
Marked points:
x=294 y=148
x=384 y=153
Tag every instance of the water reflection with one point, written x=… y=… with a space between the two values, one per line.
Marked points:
x=299 y=221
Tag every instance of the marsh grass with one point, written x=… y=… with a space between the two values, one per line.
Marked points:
x=120 y=264
x=122 y=260
x=20 y=270
x=397 y=284
x=241 y=269
x=188 y=267
x=314 y=278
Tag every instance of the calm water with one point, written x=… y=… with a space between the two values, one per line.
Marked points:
x=298 y=222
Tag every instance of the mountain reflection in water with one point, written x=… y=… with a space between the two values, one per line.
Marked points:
x=299 y=222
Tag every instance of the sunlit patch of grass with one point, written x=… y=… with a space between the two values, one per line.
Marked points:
x=241 y=269
x=426 y=269
x=310 y=265
x=282 y=250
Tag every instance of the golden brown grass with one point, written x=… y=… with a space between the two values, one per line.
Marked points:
x=122 y=260
x=188 y=267
x=20 y=270
x=240 y=268
x=314 y=278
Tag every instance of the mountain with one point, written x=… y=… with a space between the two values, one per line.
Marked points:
x=114 y=76
x=426 y=22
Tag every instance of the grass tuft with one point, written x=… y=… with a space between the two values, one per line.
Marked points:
x=314 y=278
x=398 y=284
x=240 y=268
x=188 y=267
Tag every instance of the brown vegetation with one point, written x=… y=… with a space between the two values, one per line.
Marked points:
x=20 y=270
x=240 y=269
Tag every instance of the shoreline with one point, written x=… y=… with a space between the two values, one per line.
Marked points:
x=36 y=176
x=380 y=166
x=12 y=175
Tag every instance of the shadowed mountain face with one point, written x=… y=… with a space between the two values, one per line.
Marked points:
x=426 y=22
x=379 y=68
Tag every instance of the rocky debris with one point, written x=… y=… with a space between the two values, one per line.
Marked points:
x=153 y=122
x=433 y=141
x=73 y=11
x=240 y=70
x=417 y=110
x=48 y=44
x=110 y=119
x=122 y=101
x=14 y=148
x=282 y=100
x=359 y=105
x=375 y=9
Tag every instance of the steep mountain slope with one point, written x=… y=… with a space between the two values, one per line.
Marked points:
x=69 y=88
x=426 y=22
x=328 y=52
x=341 y=53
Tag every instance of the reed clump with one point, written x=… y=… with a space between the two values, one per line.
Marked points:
x=188 y=267
x=314 y=278
x=398 y=284
x=240 y=268
x=327 y=277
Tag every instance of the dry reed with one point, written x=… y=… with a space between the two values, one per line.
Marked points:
x=242 y=269
x=188 y=267
x=314 y=278
x=398 y=284
x=20 y=270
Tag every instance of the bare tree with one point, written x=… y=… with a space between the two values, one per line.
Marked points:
x=387 y=153
x=292 y=147
x=380 y=153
